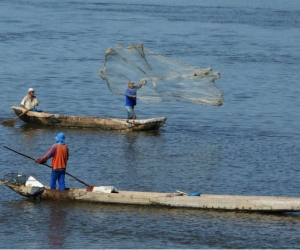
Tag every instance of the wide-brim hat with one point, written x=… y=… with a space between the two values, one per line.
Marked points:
x=60 y=137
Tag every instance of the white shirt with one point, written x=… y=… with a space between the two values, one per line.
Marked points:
x=29 y=103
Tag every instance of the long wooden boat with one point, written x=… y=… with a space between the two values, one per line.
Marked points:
x=178 y=199
x=55 y=120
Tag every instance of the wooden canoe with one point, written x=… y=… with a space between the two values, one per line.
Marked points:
x=47 y=119
x=177 y=200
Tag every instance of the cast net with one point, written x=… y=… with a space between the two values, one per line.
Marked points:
x=167 y=80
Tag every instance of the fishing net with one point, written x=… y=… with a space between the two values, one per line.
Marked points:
x=166 y=80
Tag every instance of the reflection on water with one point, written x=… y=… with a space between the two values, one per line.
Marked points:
x=56 y=225
x=69 y=224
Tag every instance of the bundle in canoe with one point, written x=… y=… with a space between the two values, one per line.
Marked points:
x=47 y=119
x=110 y=195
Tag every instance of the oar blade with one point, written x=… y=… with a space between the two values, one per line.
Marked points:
x=10 y=122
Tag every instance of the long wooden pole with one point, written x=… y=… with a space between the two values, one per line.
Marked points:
x=46 y=165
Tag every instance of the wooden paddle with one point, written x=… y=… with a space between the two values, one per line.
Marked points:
x=12 y=121
x=47 y=165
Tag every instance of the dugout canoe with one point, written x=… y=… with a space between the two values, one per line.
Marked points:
x=55 y=120
x=110 y=195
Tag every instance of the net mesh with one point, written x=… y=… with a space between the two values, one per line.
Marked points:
x=166 y=80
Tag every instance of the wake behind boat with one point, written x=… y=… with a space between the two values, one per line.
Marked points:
x=47 y=119
x=32 y=188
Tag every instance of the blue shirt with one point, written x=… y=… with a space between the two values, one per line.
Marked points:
x=131 y=101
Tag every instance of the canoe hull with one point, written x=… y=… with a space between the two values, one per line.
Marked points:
x=55 y=120
x=204 y=201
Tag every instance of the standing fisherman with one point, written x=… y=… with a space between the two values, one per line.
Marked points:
x=130 y=100
x=60 y=153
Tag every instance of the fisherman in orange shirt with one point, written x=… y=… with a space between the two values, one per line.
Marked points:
x=60 y=153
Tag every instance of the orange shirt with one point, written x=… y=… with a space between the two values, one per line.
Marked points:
x=60 y=154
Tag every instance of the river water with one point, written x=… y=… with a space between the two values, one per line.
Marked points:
x=248 y=146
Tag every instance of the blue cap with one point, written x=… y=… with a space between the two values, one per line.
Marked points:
x=60 y=138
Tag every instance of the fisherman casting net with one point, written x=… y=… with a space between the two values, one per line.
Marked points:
x=167 y=80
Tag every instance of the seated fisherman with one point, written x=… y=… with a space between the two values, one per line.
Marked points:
x=30 y=102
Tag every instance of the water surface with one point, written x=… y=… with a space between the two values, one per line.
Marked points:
x=248 y=146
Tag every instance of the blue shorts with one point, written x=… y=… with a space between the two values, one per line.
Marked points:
x=130 y=112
